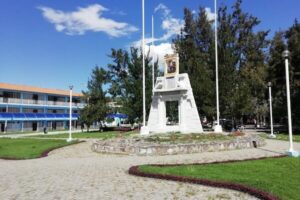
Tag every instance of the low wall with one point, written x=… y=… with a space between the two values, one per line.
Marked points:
x=139 y=147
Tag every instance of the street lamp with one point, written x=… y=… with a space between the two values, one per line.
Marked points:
x=70 y=115
x=285 y=55
x=271 y=114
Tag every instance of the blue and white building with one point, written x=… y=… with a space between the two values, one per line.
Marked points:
x=26 y=108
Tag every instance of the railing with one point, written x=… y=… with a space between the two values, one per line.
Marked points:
x=38 y=102
x=31 y=101
x=9 y=100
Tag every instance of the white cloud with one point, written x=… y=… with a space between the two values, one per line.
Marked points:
x=172 y=26
x=118 y=12
x=138 y=43
x=162 y=7
x=86 y=19
x=159 y=51
x=209 y=14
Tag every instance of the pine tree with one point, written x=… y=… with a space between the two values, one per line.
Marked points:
x=293 y=42
x=96 y=108
x=194 y=46
x=276 y=75
x=242 y=61
x=290 y=40
x=242 y=65
x=126 y=81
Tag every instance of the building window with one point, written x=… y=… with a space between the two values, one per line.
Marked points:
x=7 y=94
x=13 y=109
x=32 y=110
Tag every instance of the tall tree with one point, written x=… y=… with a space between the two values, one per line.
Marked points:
x=289 y=39
x=96 y=108
x=194 y=46
x=276 y=75
x=126 y=80
x=293 y=42
x=242 y=64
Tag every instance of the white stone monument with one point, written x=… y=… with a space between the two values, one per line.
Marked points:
x=173 y=87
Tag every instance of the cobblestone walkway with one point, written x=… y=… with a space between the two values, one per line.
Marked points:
x=75 y=172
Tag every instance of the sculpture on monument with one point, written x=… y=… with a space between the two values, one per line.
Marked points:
x=169 y=88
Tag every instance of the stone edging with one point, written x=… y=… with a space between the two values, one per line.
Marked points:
x=130 y=147
x=134 y=170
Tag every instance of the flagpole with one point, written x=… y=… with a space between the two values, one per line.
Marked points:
x=218 y=127
x=143 y=48
x=144 y=130
x=153 y=54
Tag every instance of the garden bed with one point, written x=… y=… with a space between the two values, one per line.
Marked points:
x=169 y=144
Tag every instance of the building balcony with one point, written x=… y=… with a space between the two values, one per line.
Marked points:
x=42 y=103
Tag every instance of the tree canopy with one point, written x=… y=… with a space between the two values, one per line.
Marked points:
x=248 y=60
x=242 y=61
x=125 y=73
x=95 y=98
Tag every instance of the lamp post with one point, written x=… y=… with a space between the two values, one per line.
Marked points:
x=291 y=152
x=218 y=127
x=271 y=114
x=70 y=115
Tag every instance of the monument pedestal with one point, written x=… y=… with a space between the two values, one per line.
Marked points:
x=176 y=88
x=218 y=129
x=293 y=153
x=272 y=136
x=144 y=130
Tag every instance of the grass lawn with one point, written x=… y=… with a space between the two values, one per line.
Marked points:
x=27 y=148
x=283 y=136
x=97 y=135
x=278 y=176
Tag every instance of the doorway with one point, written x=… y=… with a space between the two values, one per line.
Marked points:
x=2 y=127
x=34 y=126
x=53 y=125
x=172 y=114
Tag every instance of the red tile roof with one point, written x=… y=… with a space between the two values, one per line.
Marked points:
x=26 y=88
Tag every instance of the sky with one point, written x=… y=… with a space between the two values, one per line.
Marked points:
x=57 y=43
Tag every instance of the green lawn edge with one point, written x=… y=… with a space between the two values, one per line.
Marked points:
x=276 y=176
x=25 y=148
x=281 y=136
x=85 y=135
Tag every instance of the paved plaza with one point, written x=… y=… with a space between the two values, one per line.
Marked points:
x=75 y=172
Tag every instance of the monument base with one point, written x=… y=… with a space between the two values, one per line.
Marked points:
x=174 y=89
x=144 y=130
x=271 y=136
x=293 y=153
x=218 y=129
